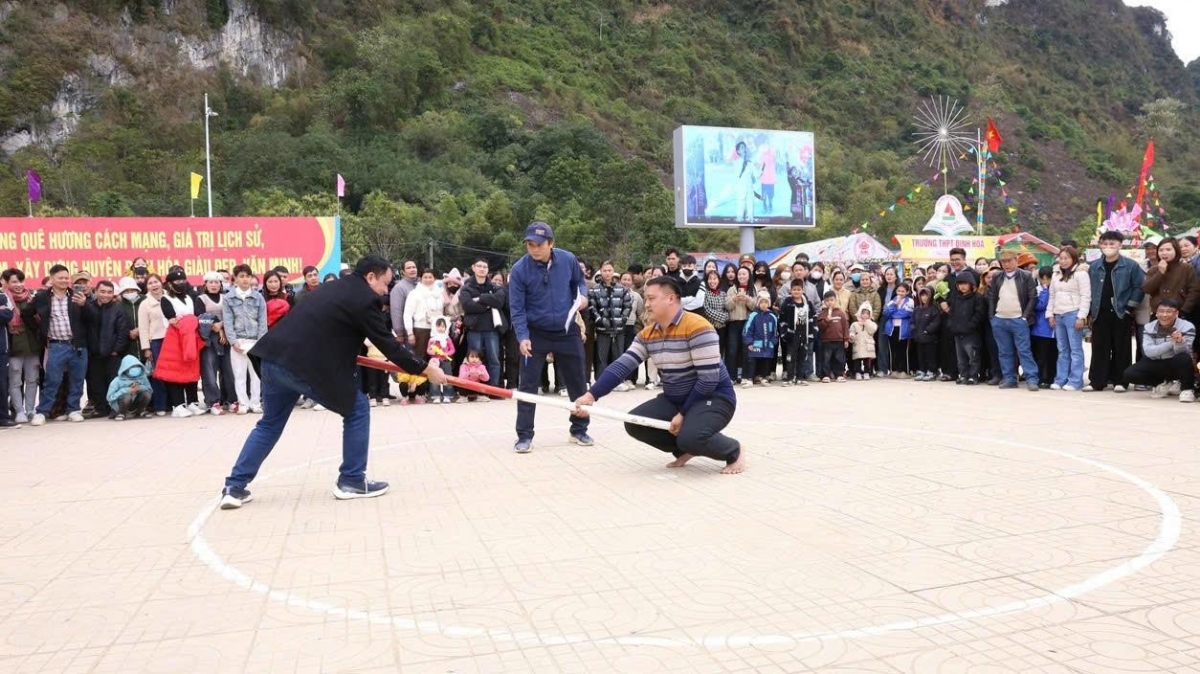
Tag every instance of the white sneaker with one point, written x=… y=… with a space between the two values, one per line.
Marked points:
x=181 y=412
x=308 y=404
x=447 y=400
x=1056 y=387
x=374 y=402
x=562 y=393
x=1118 y=389
x=1188 y=396
x=650 y=386
x=435 y=400
x=866 y=376
x=746 y=383
x=75 y=417
x=318 y=408
x=38 y=420
x=1089 y=388
x=386 y=402
x=256 y=409
x=1174 y=389
x=1159 y=391
x=1068 y=388
x=241 y=410
x=21 y=418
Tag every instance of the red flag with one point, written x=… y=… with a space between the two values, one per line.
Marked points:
x=1147 y=162
x=993 y=136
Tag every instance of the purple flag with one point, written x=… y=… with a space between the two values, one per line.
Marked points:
x=34 y=183
x=341 y=186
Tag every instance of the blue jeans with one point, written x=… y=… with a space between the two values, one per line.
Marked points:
x=158 y=387
x=1013 y=334
x=487 y=343
x=1070 y=350
x=281 y=388
x=62 y=358
x=568 y=361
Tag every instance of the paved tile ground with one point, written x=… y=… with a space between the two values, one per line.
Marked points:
x=890 y=526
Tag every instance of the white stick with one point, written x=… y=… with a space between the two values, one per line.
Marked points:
x=593 y=410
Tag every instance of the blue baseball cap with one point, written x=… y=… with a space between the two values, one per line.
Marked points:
x=539 y=233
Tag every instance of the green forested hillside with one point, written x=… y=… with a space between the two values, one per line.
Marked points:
x=460 y=121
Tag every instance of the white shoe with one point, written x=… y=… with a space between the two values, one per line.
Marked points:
x=650 y=386
x=1159 y=391
x=1118 y=389
x=746 y=383
x=1068 y=388
x=256 y=409
x=447 y=400
x=1056 y=387
x=21 y=418
x=241 y=410
x=858 y=376
x=374 y=402
x=308 y=404
x=1174 y=389
x=75 y=417
x=197 y=409
x=562 y=393
x=38 y=420
x=318 y=408
x=386 y=402
x=1188 y=396
x=181 y=412
x=435 y=400
x=866 y=376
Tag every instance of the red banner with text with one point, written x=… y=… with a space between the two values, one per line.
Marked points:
x=106 y=247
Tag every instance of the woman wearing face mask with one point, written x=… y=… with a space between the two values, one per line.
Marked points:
x=817 y=278
x=981 y=266
x=763 y=282
x=152 y=328
x=129 y=298
x=178 y=362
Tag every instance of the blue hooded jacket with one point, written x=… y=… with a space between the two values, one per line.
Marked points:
x=761 y=334
x=132 y=371
x=1041 y=327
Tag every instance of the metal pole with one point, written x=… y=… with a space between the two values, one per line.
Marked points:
x=431 y=253
x=208 y=112
x=745 y=240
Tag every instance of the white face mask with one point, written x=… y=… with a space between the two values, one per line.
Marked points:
x=785 y=276
x=816 y=276
x=130 y=296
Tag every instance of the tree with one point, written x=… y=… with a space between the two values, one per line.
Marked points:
x=1162 y=119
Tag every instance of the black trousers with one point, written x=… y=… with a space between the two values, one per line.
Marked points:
x=1111 y=349
x=182 y=394
x=927 y=357
x=969 y=353
x=1152 y=372
x=4 y=401
x=797 y=351
x=100 y=373
x=898 y=355
x=699 y=435
x=569 y=361
x=761 y=367
x=833 y=356
x=735 y=350
x=1045 y=352
x=948 y=350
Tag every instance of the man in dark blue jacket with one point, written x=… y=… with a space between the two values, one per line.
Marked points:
x=1116 y=294
x=546 y=291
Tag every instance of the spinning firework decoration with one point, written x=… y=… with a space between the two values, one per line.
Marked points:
x=942 y=136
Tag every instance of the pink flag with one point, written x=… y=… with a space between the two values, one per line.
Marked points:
x=341 y=186
x=33 y=182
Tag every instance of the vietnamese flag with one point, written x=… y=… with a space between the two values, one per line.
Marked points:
x=993 y=136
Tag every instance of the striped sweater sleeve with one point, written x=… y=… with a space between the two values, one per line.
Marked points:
x=706 y=361
x=620 y=369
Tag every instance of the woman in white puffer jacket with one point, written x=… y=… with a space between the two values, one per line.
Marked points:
x=1070 y=301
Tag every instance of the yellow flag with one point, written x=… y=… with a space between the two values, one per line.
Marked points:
x=196 y=180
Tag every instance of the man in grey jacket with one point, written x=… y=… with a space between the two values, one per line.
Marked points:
x=1012 y=305
x=399 y=294
x=1167 y=343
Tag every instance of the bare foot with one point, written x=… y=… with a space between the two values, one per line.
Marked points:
x=681 y=461
x=737 y=466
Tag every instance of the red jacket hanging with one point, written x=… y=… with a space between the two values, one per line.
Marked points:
x=179 y=359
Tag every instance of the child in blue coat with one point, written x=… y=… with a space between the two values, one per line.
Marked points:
x=1041 y=335
x=129 y=392
x=897 y=325
x=761 y=336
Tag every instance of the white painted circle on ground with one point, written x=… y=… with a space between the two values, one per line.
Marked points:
x=1168 y=535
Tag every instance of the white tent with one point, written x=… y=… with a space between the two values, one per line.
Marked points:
x=858 y=247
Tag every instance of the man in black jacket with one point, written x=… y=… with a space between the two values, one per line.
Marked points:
x=1012 y=308
x=62 y=315
x=483 y=316
x=313 y=354
x=610 y=304
x=108 y=338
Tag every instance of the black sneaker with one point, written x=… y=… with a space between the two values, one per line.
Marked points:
x=365 y=489
x=232 y=498
x=971 y=382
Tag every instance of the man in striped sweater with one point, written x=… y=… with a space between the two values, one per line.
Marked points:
x=697 y=395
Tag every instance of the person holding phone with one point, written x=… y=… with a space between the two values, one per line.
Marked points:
x=62 y=314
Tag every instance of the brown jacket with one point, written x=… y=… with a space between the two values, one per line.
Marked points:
x=834 y=327
x=1179 y=283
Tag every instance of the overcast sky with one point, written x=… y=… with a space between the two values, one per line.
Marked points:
x=1183 y=20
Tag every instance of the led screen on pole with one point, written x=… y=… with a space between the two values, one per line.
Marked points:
x=727 y=177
